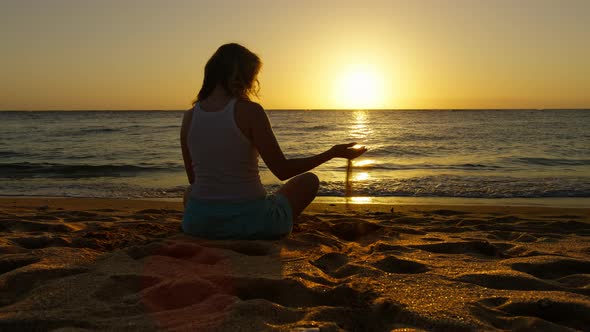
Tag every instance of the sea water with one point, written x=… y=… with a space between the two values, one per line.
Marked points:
x=480 y=154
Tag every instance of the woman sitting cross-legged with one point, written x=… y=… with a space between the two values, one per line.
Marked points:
x=222 y=136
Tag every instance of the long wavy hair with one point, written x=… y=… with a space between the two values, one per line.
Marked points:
x=235 y=69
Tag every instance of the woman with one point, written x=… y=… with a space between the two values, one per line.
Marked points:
x=221 y=138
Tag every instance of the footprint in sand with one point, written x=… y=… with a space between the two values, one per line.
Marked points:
x=117 y=287
x=392 y=264
x=351 y=230
x=43 y=241
x=13 y=262
x=330 y=261
x=293 y=293
x=548 y=267
x=533 y=314
x=338 y=266
x=15 y=284
x=575 y=281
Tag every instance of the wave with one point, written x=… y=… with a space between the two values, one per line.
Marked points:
x=465 y=187
x=399 y=151
x=470 y=194
x=551 y=161
x=8 y=154
x=319 y=127
x=427 y=186
x=426 y=137
x=391 y=166
x=98 y=130
x=48 y=170
x=86 y=132
x=109 y=130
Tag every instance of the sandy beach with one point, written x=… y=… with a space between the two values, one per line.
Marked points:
x=99 y=264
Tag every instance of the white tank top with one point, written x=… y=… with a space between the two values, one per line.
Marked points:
x=225 y=163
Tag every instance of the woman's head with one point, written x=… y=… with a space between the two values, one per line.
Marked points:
x=234 y=68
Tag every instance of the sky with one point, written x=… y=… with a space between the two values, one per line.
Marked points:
x=317 y=54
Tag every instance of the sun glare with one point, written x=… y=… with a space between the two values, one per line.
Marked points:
x=364 y=162
x=359 y=87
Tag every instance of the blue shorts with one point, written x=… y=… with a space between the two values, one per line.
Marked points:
x=260 y=219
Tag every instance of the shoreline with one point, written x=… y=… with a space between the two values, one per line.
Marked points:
x=316 y=207
x=553 y=202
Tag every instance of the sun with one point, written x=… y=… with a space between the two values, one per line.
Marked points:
x=359 y=87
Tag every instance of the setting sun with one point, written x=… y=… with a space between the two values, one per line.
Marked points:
x=359 y=87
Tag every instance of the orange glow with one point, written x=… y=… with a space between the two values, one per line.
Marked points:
x=386 y=54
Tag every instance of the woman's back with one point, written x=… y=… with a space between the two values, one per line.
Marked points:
x=224 y=161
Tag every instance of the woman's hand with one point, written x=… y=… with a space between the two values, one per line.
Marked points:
x=347 y=151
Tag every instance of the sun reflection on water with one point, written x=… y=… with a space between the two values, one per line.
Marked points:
x=361 y=200
x=362 y=176
x=359 y=128
x=364 y=162
x=357 y=200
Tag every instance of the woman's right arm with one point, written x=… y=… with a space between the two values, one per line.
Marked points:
x=265 y=141
x=186 y=156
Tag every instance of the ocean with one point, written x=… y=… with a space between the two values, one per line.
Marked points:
x=484 y=154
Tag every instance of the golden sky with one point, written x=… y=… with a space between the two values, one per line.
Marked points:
x=150 y=54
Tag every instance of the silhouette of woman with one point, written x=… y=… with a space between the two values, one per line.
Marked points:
x=221 y=137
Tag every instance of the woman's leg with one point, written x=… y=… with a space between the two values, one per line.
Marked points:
x=300 y=191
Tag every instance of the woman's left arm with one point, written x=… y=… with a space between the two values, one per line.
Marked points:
x=186 y=156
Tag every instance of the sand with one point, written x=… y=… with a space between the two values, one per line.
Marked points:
x=95 y=264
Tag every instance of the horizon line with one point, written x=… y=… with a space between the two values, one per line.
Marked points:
x=315 y=109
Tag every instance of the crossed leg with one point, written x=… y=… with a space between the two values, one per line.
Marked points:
x=300 y=191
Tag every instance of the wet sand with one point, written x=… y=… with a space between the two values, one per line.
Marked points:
x=96 y=264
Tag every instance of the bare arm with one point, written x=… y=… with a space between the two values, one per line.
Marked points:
x=186 y=156
x=265 y=141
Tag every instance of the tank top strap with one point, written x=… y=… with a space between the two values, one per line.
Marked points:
x=230 y=107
